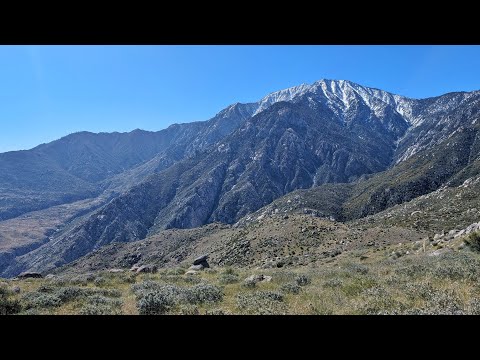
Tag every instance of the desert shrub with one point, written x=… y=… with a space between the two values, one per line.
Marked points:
x=41 y=300
x=450 y=271
x=357 y=268
x=106 y=292
x=441 y=302
x=189 y=309
x=192 y=279
x=444 y=303
x=100 y=305
x=413 y=270
x=103 y=300
x=303 y=280
x=172 y=291
x=333 y=283
x=249 y=283
x=31 y=311
x=46 y=288
x=202 y=293
x=155 y=303
x=127 y=278
x=228 y=278
x=146 y=285
x=8 y=306
x=82 y=279
x=424 y=291
x=473 y=241
x=290 y=288
x=166 y=295
x=261 y=303
x=378 y=300
x=101 y=309
x=70 y=293
x=59 y=281
x=457 y=266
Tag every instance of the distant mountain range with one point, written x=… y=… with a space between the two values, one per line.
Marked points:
x=356 y=150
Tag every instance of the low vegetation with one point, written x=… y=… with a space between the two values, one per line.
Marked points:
x=438 y=281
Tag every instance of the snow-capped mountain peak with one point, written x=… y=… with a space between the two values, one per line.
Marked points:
x=340 y=95
x=288 y=94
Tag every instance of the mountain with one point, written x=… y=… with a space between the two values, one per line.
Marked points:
x=359 y=150
x=83 y=165
x=71 y=168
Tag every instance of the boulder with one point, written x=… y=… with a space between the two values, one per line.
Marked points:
x=191 y=272
x=196 y=267
x=50 y=276
x=147 y=269
x=26 y=275
x=16 y=290
x=115 y=270
x=134 y=268
x=200 y=259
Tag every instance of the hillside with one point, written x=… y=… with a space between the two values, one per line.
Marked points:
x=355 y=151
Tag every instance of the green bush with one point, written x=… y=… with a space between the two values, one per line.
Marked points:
x=192 y=279
x=90 y=309
x=357 y=268
x=261 y=303
x=333 y=283
x=202 y=293
x=473 y=241
x=41 y=300
x=70 y=293
x=291 y=288
x=303 y=280
x=103 y=300
x=7 y=306
x=155 y=303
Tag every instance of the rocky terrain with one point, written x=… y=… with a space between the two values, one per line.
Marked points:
x=302 y=181
x=432 y=276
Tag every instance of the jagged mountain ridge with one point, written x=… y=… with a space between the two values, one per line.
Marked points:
x=330 y=131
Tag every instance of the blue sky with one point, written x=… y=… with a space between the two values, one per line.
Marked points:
x=47 y=92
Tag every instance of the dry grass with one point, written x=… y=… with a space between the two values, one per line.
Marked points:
x=410 y=283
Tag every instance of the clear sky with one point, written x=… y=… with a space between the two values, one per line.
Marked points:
x=47 y=92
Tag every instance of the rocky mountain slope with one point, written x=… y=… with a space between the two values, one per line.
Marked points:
x=359 y=151
x=288 y=234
